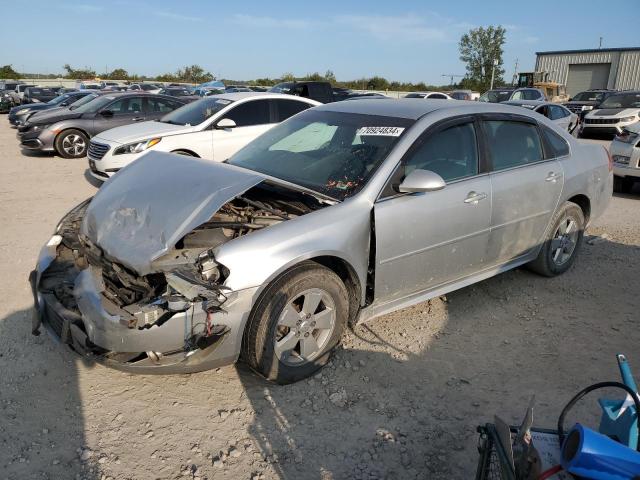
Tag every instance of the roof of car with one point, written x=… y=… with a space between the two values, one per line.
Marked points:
x=528 y=102
x=235 y=96
x=412 y=110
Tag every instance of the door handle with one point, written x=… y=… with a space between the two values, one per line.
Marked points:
x=474 y=197
x=553 y=177
x=137 y=119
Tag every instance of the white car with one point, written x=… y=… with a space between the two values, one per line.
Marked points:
x=558 y=114
x=614 y=114
x=429 y=95
x=145 y=87
x=214 y=128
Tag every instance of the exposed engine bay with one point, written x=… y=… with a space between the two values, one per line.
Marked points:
x=185 y=279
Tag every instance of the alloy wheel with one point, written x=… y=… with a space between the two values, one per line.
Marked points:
x=304 y=327
x=73 y=144
x=564 y=240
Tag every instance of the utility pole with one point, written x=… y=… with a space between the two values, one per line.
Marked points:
x=600 y=45
x=493 y=72
x=515 y=73
x=450 y=76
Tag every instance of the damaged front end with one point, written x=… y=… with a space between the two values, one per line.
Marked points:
x=177 y=316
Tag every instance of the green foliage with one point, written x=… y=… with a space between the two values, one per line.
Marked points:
x=117 y=74
x=7 y=72
x=190 y=74
x=78 y=74
x=478 y=49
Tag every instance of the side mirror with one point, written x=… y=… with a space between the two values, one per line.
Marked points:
x=106 y=113
x=64 y=104
x=421 y=181
x=225 y=124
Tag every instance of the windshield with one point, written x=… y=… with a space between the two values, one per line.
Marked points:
x=146 y=87
x=332 y=153
x=82 y=101
x=281 y=88
x=496 y=96
x=92 y=107
x=622 y=100
x=589 y=96
x=197 y=112
x=58 y=99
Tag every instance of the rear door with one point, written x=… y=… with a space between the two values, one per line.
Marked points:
x=157 y=107
x=526 y=184
x=252 y=119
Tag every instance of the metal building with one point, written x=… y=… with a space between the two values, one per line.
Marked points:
x=613 y=68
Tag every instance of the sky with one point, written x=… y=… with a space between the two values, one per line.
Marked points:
x=409 y=40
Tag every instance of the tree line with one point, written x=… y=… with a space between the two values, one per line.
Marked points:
x=481 y=51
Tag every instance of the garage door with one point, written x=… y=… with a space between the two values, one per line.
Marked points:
x=586 y=76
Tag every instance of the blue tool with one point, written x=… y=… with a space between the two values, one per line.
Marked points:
x=594 y=456
x=619 y=417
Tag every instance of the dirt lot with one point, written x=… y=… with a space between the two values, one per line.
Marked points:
x=412 y=386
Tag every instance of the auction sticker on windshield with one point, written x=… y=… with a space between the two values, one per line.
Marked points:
x=380 y=131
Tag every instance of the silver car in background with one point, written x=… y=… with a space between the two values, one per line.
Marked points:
x=558 y=114
x=340 y=214
x=625 y=152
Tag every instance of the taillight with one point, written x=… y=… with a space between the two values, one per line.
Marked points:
x=610 y=159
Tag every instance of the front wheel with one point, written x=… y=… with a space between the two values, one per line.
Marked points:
x=562 y=242
x=72 y=144
x=297 y=322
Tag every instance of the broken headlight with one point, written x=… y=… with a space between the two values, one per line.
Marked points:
x=137 y=147
x=208 y=267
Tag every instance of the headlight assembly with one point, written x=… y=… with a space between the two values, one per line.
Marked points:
x=22 y=111
x=629 y=119
x=137 y=147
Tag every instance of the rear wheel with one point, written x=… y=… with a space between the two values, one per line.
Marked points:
x=622 y=184
x=72 y=143
x=562 y=242
x=296 y=323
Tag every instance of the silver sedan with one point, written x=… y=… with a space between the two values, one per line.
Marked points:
x=343 y=213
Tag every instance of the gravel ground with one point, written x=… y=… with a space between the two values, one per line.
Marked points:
x=401 y=399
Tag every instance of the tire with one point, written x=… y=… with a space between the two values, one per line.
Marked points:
x=282 y=303
x=559 y=249
x=71 y=143
x=622 y=184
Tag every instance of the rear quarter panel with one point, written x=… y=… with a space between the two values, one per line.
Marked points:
x=587 y=173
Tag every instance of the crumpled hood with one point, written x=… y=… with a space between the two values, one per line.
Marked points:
x=141 y=131
x=52 y=116
x=141 y=213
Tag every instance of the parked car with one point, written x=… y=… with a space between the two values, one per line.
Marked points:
x=508 y=93
x=182 y=92
x=38 y=95
x=362 y=95
x=213 y=128
x=212 y=86
x=625 y=152
x=18 y=115
x=561 y=116
x=180 y=264
x=85 y=85
x=145 y=87
x=464 y=95
x=258 y=88
x=16 y=96
x=11 y=85
x=319 y=91
x=615 y=113
x=68 y=132
x=237 y=88
x=582 y=102
x=429 y=95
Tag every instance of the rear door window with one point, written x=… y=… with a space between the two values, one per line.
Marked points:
x=284 y=109
x=558 y=145
x=512 y=143
x=255 y=112
x=557 y=113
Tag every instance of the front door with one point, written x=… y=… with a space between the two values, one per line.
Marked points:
x=526 y=186
x=252 y=119
x=428 y=239
x=120 y=112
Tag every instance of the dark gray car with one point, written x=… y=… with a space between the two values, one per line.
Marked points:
x=67 y=132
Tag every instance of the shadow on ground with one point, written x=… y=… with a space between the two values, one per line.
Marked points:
x=41 y=412
x=413 y=386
